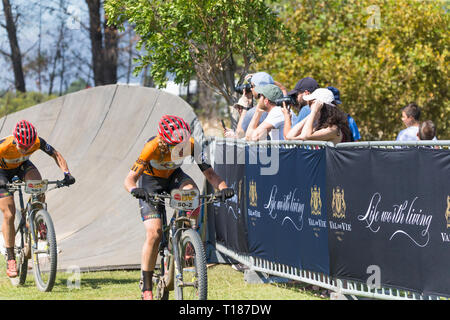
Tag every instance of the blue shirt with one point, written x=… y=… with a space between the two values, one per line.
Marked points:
x=248 y=117
x=304 y=112
x=353 y=128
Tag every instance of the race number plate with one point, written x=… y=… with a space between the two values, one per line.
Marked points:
x=184 y=199
x=35 y=186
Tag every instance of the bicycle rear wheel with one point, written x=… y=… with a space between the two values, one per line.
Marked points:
x=44 y=251
x=193 y=267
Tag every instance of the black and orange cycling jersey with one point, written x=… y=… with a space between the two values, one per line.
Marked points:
x=151 y=162
x=11 y=158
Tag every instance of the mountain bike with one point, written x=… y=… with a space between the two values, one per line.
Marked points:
x=35 y=234
x=183 y=259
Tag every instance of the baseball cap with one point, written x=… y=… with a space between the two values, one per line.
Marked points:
x=321 y=94
x=337 y=95
x=307 y=83
x=261 y=79
x=270 y=91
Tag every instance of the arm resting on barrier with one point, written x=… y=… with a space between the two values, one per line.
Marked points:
x=294 y=133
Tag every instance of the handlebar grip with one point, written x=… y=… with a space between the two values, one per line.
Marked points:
x=224 y=194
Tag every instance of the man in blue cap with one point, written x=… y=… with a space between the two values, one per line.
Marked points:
x=245 y=104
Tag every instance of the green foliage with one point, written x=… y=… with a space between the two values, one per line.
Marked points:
x=380 y=63
x=202 y=38
x=12 y=102
x=77 y=85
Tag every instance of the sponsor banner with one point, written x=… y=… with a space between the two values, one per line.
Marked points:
x=286 y=214
x=229 y=218
x=389 y=212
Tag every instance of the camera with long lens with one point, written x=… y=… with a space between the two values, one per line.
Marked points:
x=289 y=100
x=240 y=88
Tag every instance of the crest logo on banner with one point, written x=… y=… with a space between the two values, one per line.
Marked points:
x=338 y=204
x=252 y=194
x=316 y=202
x=447 y=213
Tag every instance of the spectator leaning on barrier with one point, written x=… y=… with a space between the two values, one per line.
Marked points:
x=245 y=104
x=410 y=118
x=351 y=122
x=427 y=130
x=274 y=122
x=326 y=122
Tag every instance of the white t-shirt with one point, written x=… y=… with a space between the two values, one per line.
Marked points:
x=276 y=118
x=408 y=134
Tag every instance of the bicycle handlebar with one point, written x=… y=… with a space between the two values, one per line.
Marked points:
x=212 y=197
x=16 y=185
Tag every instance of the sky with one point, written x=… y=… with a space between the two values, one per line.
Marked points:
x=28 y=35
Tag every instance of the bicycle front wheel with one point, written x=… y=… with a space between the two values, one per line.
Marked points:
x=22 y=260
x=22 y=242
x=22 y=265
x=44 y=251
x=194 y=284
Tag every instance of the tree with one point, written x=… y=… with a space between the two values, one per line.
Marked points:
x=103 y=46
x=211 y=40
x=381 y=55
x=16 y=56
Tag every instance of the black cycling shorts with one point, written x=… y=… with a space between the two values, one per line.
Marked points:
x=6 y=176
x=158 y=185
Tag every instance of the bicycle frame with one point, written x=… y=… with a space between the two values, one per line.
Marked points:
x=29 y=211
x=170 y=235
x=171 y=274
x=176 y=227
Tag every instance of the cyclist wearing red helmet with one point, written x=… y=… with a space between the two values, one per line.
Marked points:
x=15 y=152
x=157 y=170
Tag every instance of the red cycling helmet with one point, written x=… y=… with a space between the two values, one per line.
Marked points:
x=25 y=134
x=173 y=129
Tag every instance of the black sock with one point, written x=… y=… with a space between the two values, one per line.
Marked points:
x=10 y=254
x=147 y=277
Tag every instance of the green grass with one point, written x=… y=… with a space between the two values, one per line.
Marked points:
x=224 y=283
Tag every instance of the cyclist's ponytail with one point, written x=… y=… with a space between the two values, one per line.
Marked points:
x=163 y=148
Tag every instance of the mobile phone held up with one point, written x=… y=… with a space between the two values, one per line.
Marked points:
x=223 y=124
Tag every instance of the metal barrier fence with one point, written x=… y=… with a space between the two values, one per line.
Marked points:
x=342 y=288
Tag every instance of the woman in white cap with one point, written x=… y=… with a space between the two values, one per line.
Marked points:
x=325 y=122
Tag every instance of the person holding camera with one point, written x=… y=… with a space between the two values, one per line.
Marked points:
x=245 y=106
x=302 y=88
x=274 y=122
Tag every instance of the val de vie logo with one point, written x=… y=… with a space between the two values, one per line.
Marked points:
x=447 y=213
x=252 y=194
x=316 y=202
x=446 y=235
x=338 y=203
x=315 y=221
x=339 y=209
